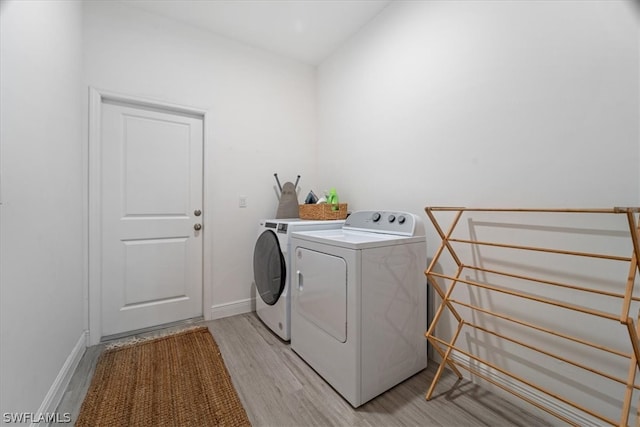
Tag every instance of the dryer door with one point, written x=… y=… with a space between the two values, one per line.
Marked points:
x=269 y=268
x=322 y=291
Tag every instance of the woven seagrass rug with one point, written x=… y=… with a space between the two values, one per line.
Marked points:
x=174 y=380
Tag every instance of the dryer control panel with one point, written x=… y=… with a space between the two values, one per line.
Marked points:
x=387 y=222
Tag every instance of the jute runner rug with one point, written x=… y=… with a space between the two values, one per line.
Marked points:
x=175 y=380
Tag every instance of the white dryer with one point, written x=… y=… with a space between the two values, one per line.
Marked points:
x=359 y=302
x=271 y=267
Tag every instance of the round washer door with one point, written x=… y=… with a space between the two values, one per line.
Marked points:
x=269 y=268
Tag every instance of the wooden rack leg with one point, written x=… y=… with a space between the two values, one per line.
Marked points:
x=445 y=298
x=633 y=337
x=445 y=301
x=442 y=353
x=444 y=242
x=452 y=365
x=626 y=404
x=634 y=230
x=440 y=310
x=432 y=327
x=626 y=303
x=445 y=238
x=444 y=361
x=638 y=414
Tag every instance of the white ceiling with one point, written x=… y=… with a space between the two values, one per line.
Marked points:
x=306 y=30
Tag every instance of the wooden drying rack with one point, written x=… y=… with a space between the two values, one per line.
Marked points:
x=445 y=348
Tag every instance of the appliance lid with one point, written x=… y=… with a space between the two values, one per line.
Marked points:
x=354 y=239
x=368 y=229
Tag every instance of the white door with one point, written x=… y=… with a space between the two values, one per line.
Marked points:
x=151 y=208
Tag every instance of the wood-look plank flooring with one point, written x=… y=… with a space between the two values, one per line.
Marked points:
x=277 y=388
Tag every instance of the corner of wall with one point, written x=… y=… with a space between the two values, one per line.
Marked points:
x=56 y=392
x=233 y=308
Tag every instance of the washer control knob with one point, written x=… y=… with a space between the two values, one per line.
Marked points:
x=392 y=218
x=401 y=219
x=376 y=217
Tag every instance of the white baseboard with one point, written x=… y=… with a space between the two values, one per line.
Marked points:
x=580 y=418
x=56 y=392
x=219 y=311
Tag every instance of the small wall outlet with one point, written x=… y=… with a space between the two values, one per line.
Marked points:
x=242 y=202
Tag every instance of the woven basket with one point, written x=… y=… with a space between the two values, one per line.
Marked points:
x=323 y=211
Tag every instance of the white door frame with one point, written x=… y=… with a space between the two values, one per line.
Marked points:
x=94 y=173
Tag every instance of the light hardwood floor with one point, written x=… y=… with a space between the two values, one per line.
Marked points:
x=277 y=388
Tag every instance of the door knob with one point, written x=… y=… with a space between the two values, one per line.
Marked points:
x=197 y=212
x=197 y=227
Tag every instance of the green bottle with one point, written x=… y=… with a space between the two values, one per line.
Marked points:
x=332 y=199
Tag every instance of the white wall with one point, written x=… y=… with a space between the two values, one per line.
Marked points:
x=484 y=103
x=41 y=296
x=491 y=104
x=262 y=110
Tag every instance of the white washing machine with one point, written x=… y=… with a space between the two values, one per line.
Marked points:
x=359 y=302
x=271 y=267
